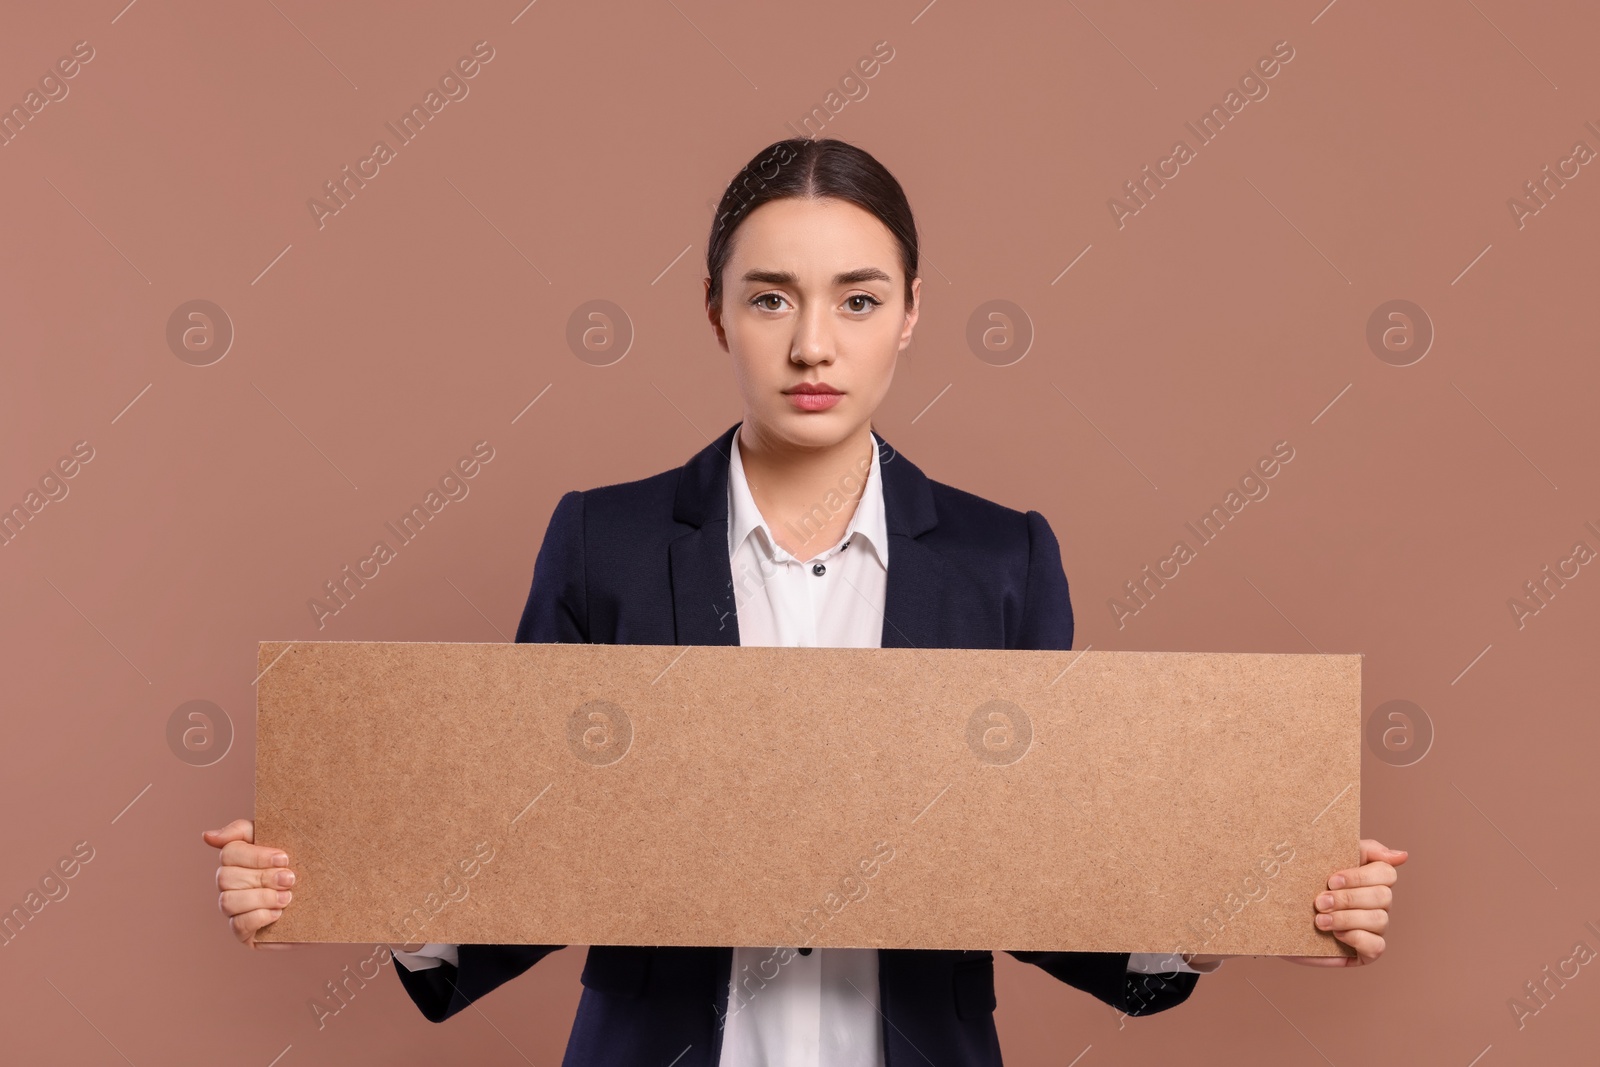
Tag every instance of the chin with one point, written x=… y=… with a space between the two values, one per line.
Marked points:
x=806 y=429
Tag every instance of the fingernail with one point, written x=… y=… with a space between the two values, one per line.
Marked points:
x=286 y=877
x=1324 y=921
x=281 y=859
x=1325 y=900
x=1336 y=882
x=284 y=896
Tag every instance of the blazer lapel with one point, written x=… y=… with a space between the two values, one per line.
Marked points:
x=703 y=606
x=915 y=614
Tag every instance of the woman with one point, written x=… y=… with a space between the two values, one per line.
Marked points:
x=780 y=532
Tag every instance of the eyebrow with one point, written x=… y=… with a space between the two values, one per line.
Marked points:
x=849 y=277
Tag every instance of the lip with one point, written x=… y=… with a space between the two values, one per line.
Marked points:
x=813 y=396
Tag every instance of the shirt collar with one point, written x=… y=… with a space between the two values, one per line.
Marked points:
x=744 y=517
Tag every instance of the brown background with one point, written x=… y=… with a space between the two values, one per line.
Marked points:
x=1227 y=315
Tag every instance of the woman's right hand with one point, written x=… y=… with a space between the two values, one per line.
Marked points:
x=254 y=881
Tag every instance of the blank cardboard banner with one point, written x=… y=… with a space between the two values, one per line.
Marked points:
x=575 y=794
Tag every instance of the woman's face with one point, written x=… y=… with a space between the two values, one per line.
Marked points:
x=813 y=293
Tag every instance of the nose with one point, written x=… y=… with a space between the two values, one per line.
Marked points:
x=813 y=337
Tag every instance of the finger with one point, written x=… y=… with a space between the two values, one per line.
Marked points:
x=229 y=877
x=237 y=830
x=244 y=854
x=1375 y=896
x=243 y=901
x=1376 y=920
x=245 y=926
x=1378 y=872
x=1377 y=850
x=1368 y=945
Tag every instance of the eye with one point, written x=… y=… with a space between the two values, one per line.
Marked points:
x=871 y=300
x=757 y=302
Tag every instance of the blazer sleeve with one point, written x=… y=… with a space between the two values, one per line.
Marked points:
x=556 y=612
x=1047 y=624
x=558 y=605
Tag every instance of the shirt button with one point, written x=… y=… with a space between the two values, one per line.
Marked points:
x=818 y=569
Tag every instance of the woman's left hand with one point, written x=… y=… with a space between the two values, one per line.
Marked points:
x=1355 y=909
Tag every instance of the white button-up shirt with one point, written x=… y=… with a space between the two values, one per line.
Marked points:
x=821 y=1010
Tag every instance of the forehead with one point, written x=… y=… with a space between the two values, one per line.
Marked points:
x=813 y=237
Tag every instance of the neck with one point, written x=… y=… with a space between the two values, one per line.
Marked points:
x=808 y=495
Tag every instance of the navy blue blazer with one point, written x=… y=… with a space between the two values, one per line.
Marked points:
x=646 y=562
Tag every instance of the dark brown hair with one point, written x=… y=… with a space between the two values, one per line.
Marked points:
x=802 y=167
